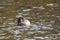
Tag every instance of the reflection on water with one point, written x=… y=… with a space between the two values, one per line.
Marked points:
x=44 y=18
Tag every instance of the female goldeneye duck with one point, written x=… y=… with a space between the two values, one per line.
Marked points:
x=23 y=22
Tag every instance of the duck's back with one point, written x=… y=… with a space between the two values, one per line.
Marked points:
x=26 y=22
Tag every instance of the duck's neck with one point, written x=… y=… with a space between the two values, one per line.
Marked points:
x=19 y=20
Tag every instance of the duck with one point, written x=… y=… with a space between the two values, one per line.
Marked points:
x=23 y=21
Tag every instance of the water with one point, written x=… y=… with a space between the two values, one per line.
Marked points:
x=44 y=16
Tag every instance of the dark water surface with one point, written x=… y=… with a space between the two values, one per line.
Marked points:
x=44 y=16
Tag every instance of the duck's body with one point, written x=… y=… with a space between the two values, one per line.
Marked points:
x=23 y=22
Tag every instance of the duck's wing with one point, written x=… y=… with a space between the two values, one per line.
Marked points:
x=27 y=22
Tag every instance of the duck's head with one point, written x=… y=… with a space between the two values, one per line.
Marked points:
x=21 y=18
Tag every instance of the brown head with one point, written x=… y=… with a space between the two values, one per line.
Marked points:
x=21 y=18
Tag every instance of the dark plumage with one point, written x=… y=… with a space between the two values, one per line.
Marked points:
x=19 y=21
